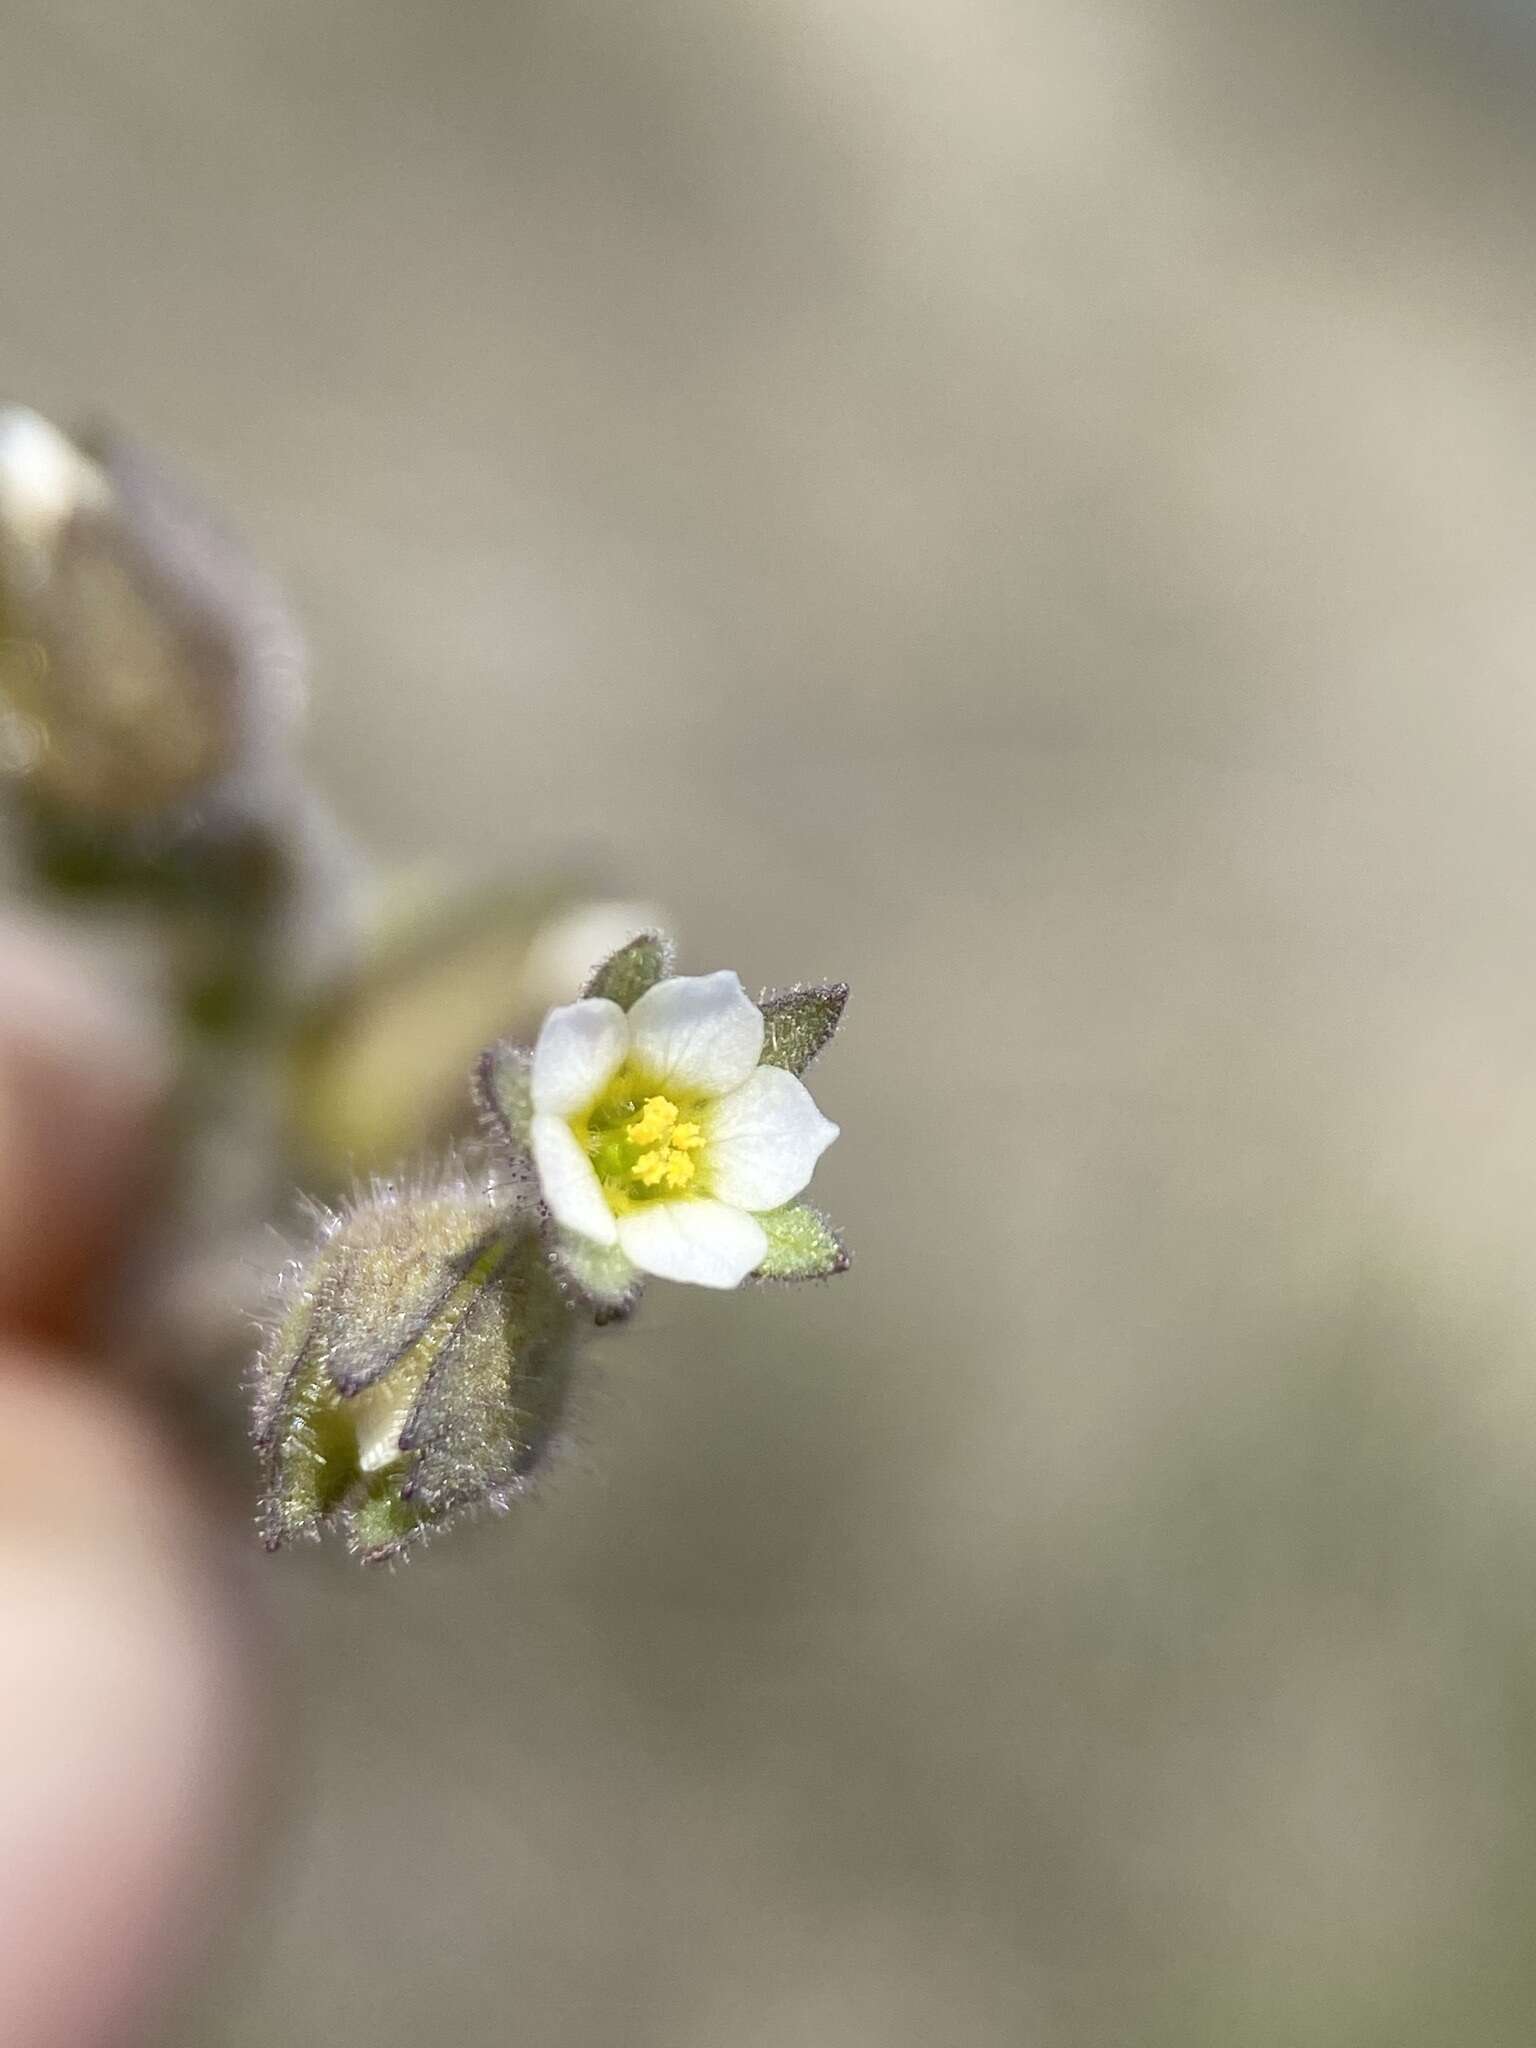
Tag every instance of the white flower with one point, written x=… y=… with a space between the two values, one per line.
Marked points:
x=656 y=1130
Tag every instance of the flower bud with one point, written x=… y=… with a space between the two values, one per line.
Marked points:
x=381 y=1053
x=143 y=661
x=419 y=1369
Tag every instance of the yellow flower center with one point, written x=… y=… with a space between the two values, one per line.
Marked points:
x=667 y=1141
x=642 y=1145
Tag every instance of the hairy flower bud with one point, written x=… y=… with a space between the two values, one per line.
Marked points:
x=419 y=1368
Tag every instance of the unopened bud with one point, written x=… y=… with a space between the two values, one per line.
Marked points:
x=420 y=1369
x=143 y=658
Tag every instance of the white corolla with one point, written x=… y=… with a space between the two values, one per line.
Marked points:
x=656 y=1129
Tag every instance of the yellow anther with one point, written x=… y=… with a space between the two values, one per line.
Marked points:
x=655 y=1121
x=664 y=1160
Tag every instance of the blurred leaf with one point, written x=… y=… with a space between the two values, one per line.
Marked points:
x=146 y=664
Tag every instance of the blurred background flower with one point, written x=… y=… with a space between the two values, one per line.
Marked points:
x=1028 y=507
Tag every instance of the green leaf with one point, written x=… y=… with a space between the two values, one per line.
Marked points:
x=604 y=1278
x=802 y=1245
x=625 y=975
x=800 y=1022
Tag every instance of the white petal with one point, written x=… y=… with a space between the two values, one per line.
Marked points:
x=699 y=1030
x=567 y=1182
x=764 y=1140
x=701 y=1241
x=581 y=1047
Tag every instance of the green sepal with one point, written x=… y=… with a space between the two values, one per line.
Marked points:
x=624 y=976
x=309 y=1457
x=802 y=1245
x=381 y=1525
x=502 y=1084
x=598 y=1274
x=393 y=1275
x=799 y=1022
x=495 y=1391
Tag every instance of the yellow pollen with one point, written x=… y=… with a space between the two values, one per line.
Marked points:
x=655 y=1121
x=669 y=1142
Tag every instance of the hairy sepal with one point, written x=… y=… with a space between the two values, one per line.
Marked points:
x=624 y=976
x=599 y=1276
x=802 y=1245
x=800 y=1022
x=502 y=1085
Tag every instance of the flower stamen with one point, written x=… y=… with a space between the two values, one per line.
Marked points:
x=655 y=1121
x=668 y=1142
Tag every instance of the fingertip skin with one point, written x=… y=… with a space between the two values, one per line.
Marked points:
x=80 y=1085
x=128 y=1745
x=127 y=1740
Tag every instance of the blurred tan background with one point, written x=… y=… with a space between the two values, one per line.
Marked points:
x=1028 y=507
